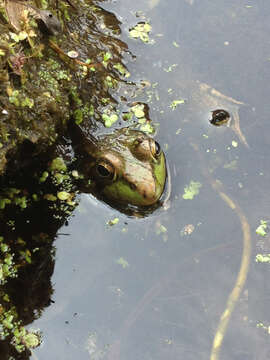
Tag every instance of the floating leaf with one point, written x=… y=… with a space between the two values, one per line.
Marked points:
x=175 y=103
x=50 y=197
x=121 y=69
x=107 y=56
x=121 y=261
x=263 y=258
x=109 y=120
x=63 y=195
x=134 y=33
x=141 y=31
x=161 y=229
x=170 y=68
x=31 y=340
x=58 y=164
x=261 y=229
x=147 y=128
x=113 y=221
x=191 y=190
x=138 y=110
x=187 y=230
x=27 y=102
x=22 y=35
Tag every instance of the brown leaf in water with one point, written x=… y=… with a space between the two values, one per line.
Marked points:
x=15 y=12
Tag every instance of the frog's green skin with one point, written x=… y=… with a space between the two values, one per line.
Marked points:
x=126 y=166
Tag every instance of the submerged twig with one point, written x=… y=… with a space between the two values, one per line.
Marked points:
x=244 y=267
x=66 y=58
x=152 y=293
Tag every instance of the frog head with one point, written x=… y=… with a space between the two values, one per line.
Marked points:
x=127 y=167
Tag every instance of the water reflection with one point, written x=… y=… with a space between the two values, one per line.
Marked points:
x=139 y=289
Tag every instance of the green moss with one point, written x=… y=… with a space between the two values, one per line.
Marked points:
x=18 y=98
x=78 y=116
x=47 y=77
x=4 y=202
x=109 y=119
x=14 y=98
x=31 y=339
x=26 y=255
x=21 y=201
x=122 y=70
x=50 y=197
x=27 y=102
x=75 y=96
x=44 y=176
x=58 y=164
x=7 y=266
x=21 y=338
x=13 y=196
x=63 y=195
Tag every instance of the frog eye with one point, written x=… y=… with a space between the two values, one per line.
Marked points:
x=105 y=170
x=220 y=117
x=155 y=149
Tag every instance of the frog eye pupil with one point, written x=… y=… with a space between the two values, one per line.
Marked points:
x=157 y=148
x=50 y=15
x=103 y=171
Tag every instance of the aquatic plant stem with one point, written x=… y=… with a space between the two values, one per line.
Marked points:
x=245 y=261
x=115 y=349
x=65 y=57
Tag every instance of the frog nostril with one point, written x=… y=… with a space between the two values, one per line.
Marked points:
x=148 y=193
x=133 y=187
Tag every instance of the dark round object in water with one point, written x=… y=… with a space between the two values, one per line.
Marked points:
x=220 y=117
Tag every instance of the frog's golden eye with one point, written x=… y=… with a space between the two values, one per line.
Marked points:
x=105 y=170
x=146 y=149
x=155 y=149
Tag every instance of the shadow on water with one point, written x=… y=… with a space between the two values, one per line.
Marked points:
x=156 y=287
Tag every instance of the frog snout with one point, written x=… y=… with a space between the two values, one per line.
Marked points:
x=149 y=193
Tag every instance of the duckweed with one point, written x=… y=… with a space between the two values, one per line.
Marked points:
x=261 y=229
x=113 y=221
x=7 y=268
x=191 y=190
x=138 y=110
x=109 y=120
x=141 y=31
x=58 y=164
x=124 y=263
x=122 y=70
x=175 y=103
x=13 y=196
x=263 y=258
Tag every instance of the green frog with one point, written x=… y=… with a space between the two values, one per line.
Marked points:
x=126 y=166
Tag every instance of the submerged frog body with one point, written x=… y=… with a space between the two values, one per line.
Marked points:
x=127 y=166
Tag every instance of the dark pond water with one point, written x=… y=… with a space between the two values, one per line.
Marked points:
x=143 y=288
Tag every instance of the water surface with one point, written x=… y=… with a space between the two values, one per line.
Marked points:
x=143 y=287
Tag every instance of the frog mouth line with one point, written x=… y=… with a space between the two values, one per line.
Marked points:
x=143 y=211
x=165 y=197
